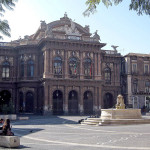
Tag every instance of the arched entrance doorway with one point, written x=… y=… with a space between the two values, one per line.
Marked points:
x=108 y=100
x=5 y=97
x=21 y=102
x=88 y=103
x=29 y=102
x=57 y=102
x=73 y=102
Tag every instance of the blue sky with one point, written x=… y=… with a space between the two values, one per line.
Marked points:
x=116 y=25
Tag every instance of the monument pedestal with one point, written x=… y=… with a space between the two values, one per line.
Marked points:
x=118 y=116
x=121 y=114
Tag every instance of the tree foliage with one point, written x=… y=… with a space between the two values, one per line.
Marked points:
x=4 y=26
x=140 y=6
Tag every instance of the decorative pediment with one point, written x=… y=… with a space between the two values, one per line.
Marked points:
x=67 y=29
x=64 y=28
x=59 y=29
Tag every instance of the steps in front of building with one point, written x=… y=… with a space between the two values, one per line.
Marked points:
x=124 y=121
x=100 y=122
x=91 y=121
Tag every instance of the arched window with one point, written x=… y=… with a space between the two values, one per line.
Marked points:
x=147 y=86
x=57 y=66
x=30 y=68
x=107 y=75
x=88 y=68
x=6 y=70
x=22 y=69
x=73 y=66
x=135 y=85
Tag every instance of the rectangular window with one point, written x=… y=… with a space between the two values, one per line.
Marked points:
x=134 y=68
x=146 y=68
x=135 y=87
x=147 y=86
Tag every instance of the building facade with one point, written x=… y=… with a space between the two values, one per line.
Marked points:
x=62 y=69
x=137 y=77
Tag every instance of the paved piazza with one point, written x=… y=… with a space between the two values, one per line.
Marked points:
x=64 y=133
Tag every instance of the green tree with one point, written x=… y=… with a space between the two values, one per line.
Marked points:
x=4 y=26
x=140 y=6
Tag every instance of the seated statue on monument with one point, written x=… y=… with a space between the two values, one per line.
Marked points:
x=120 y=102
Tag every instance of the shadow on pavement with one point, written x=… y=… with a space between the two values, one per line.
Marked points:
x=25 y=131
x=47 y=120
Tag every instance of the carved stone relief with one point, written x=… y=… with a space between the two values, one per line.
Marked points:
x=26 y=57
x=69 y=53
x=1 y=59
x=6 y=58
x=73 y=53
x=58 y=52
x=77 y=54
x=25 y=89
x=84 y=54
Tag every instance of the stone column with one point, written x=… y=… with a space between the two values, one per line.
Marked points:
x=100 y=98
x=25 y=70
x=66 y=64
x=24 y=101
x=51 y=63
x=14 y=97
x=36 y=67
x=46 y=62
x=95 y=66
x=129 y=83
x=118 y=75
x=35 y=100
x=115 y=73
x=17 y=101
x=50 y=99
x=65 y=107
x=46 y=103
x=99 y=66
x=81 y=111
x=95 y=100
x=81 y=66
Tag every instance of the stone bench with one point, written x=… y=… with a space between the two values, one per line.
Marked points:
x=9 y=141
x=10 y=116
x=23 y=118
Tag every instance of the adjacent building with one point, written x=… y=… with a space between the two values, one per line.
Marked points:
x=137 y=80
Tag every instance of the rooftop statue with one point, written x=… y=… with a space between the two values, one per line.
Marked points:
x=96 y=36
x=65 y=15
x=72 y=30
x=114 y=47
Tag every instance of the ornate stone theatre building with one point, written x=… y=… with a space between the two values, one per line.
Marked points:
x=61 y=69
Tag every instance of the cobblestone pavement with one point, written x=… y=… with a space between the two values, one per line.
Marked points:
x=64 y=133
